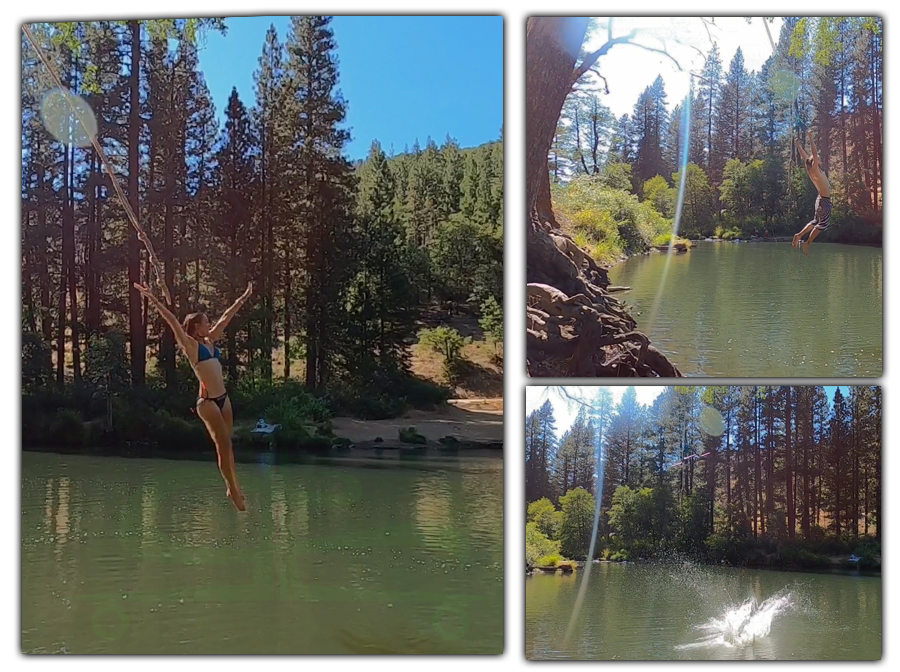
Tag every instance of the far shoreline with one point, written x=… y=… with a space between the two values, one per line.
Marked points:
x=836 y=569
x=392 y=455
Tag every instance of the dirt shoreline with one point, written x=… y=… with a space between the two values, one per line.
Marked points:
x=467 y=420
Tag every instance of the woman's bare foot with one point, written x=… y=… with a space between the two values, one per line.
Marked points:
x=796 y=238
x=806 y=248
x=237 y=497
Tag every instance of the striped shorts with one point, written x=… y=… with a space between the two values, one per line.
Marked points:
x=823 y=213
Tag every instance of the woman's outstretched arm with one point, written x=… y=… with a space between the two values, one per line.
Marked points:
x=219 y=328
x=182 y=338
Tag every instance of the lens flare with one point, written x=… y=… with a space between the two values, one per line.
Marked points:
x=711 y=421
x=785 y=86
x=68 y=118
x=582 y=589
x=685 y=145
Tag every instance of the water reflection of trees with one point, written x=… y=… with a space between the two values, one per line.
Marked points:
x=153 y=553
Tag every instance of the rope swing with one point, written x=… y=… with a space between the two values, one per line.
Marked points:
x=85 y=117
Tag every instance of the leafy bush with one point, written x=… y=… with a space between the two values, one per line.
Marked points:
x=384 y=397
x=550 y=560
x=868 y=548
x=169 y=431
x=447 y=342
x=809 y=560
x=731 y=549
x=544 y=514
x=66 y=429
x=537 y=545
x=612 y=220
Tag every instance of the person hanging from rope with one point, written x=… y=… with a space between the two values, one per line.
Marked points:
x=197 y=339
x=822 y=217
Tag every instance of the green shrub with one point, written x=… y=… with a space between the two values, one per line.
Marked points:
x=66 y=429
x=868 y=547
x=537 y=545
x=809 y=560
x=448 y=343
x=609 y=221
x=550 y=560
x=183 y=433
x=869 y=564
x=366 y=402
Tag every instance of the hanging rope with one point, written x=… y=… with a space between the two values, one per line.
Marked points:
x=793 y=112
x=154 y=261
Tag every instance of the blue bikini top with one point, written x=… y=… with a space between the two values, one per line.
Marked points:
x=203 y=353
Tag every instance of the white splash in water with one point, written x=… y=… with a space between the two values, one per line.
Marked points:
x=741 y=626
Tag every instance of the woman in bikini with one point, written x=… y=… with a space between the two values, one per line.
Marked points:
x=822 y=218
x=196 y=339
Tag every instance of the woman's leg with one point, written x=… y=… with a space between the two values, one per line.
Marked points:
x=215 y=424
x=228 y=416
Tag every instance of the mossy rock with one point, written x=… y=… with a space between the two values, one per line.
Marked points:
x=410 y=435
x=341 y=444
x=450 y=442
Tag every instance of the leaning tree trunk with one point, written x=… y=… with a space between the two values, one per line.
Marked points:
x=575 y=328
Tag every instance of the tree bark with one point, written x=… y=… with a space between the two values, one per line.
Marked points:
x=136 y=324
x=552 y=47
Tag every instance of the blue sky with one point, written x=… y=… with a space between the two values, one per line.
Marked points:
x=404 y=77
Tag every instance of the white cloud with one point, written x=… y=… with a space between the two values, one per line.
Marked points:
x=629 y=70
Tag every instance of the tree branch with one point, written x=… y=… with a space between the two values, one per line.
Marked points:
x=592 y=57
x=605 y=83
x=658 y=51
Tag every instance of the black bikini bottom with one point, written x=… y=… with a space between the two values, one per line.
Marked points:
x=220 y=400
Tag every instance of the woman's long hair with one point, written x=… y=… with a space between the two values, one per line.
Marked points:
x=190 y=324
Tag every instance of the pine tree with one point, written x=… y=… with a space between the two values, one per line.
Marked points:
x=325 y=180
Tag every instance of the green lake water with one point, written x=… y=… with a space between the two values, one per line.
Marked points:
x=761 y=309
x=678 y=612
x=148 y=556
